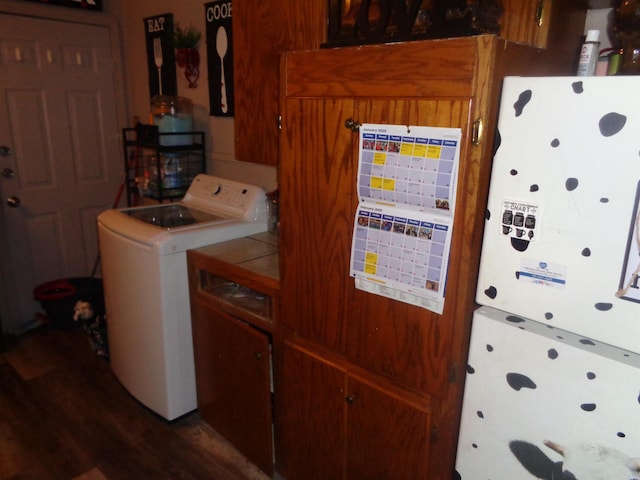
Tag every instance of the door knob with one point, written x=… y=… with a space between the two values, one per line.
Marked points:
x=5 y=151
x=7 y=172
x=13 y=202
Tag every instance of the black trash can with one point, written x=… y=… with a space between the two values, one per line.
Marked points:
x=59 y=297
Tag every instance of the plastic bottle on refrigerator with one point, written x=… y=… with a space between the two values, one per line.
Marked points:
x=589 y=54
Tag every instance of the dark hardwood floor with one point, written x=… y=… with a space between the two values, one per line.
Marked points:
x=63 y=415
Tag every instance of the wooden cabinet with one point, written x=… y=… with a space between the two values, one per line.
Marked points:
x=234 y=300
x=349 y=417
x=441 y=83
x=328 y=208
x=542 y=23
x=261 y=31
x=234 y=381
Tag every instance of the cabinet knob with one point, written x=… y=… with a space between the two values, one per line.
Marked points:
x=350 y=399
x=14 y=202
x=352 y=125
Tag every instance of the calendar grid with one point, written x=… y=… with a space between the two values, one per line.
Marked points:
x=402 y=229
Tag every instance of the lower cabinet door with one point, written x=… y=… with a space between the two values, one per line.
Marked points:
x=387 y=436
x=233 y=379
x=312 y=416
x=340 y=426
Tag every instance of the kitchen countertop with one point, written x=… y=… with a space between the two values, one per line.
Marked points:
x=257 y=254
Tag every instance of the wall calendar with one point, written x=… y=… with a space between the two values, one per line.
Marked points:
x=407 y=179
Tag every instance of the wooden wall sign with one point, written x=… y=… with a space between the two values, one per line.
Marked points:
x=86 y=4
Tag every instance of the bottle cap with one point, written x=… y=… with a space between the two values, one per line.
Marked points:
x=593 y=36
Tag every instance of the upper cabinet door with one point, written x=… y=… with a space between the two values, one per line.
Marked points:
x=321 y=91
x=542 y=23
x=261 y=32
x=317 y=202
x=420 y=354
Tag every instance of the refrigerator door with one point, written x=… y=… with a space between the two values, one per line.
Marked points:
x=543 y=403
x=561 y=241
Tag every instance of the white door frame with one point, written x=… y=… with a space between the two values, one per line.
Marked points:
x=32 y=9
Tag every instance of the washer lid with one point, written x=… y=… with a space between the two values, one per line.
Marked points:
x=170 y=216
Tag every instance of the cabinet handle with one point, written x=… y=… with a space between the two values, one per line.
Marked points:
x=350 y=399
x=352 y=125
x=14 y=202
x=476 y=132
x=434 y=435
x=453 y=372
x=540 y=13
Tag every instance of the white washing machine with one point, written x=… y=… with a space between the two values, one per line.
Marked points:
x=144 y=274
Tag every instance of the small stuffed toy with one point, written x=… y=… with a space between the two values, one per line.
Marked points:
x=95 y=324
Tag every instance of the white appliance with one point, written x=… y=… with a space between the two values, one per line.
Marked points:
x=553 y=382
x=144 y=273
x=541 y=402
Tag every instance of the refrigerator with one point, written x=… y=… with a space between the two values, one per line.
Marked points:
x=553 y=376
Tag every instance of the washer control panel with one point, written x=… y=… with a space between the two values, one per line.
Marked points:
x=239 y=200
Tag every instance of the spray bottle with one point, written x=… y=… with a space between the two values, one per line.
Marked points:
x=589 y=54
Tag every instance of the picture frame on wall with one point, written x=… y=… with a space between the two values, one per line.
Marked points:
x=220 y=58
x=84 y=4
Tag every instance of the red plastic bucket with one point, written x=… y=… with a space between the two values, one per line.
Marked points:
x=56 y=290
x=58 y=298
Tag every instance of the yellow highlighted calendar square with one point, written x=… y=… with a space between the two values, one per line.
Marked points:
x=389 y=184
x=379 y=158
x=371 y=258
x=376 y=182
x=370 y=269
x=419 y=150
x=406 y=149
x=433 y=151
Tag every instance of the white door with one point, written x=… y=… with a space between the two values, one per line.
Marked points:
x=60 y=160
